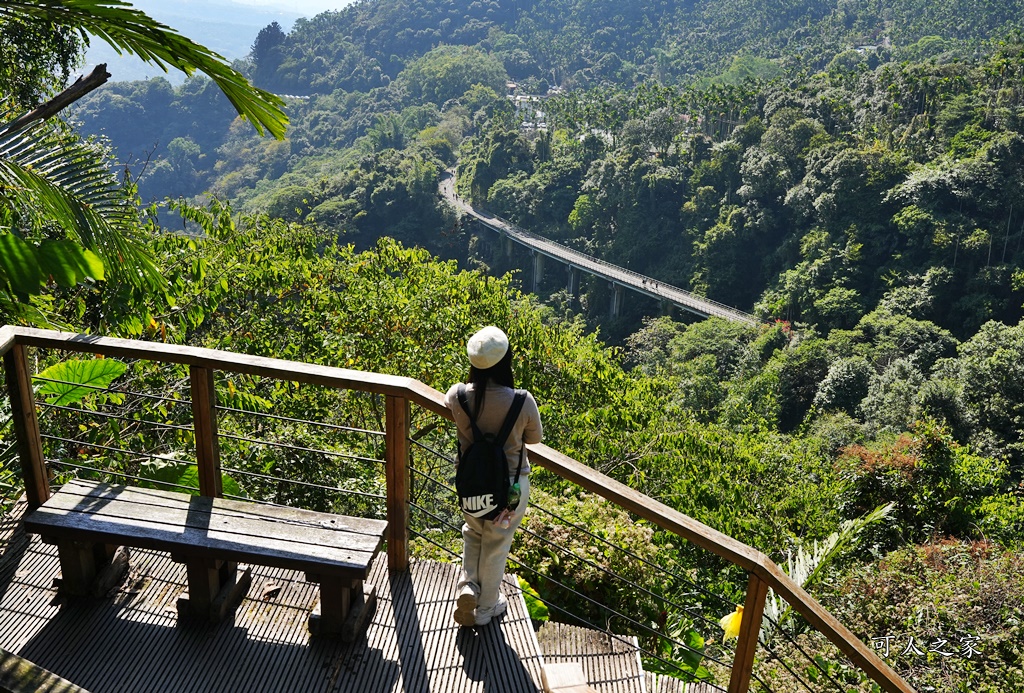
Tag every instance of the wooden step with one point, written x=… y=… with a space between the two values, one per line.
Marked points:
x=565 y=677
x=662 y=683
x=610 y=663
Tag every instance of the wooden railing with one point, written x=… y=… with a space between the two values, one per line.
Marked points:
x=400 y=393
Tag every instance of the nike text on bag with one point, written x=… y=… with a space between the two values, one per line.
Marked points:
x=481 y=479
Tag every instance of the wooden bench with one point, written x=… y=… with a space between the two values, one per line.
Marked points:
x=89 y=521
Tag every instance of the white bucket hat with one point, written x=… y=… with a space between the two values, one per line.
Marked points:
x=487 y=347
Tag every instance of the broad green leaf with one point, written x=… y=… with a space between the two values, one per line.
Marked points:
x=69 y=263
x=172 y=474
x=537 y=609
x=691 y=657
x=78 y=379
x=19 y=262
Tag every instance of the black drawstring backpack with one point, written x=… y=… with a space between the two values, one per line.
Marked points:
x=481 y=479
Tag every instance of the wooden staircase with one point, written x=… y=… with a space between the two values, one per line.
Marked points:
x=606 y=663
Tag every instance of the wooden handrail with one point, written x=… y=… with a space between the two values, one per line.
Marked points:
x=400 y=390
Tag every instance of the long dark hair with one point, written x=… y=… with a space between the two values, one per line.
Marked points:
x=500 y=373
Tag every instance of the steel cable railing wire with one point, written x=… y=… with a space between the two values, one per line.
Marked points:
x=108 y=415
x=796 y=676
x=439 y=519
x=299 y=448
x=165 y=458
x=109 y=448
x=192 y=463
x=607 y=571
x=614 y=613
x=306 y=484
x=170 y=484
x=575 y=617
x=290 y=419
x=627 y=552
x=48 y=409
x=602 y=569
x=115 y=391
x=192 y=489
x=123 y=475
x=584 y=530
x=439 y=546
x=777 y=628
x=7 y=451
x=421 y=508
x=190 y=429
x=133 y=393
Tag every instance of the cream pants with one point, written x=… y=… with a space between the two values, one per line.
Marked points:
x=485 y=550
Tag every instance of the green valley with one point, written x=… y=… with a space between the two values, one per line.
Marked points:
x=848 y=172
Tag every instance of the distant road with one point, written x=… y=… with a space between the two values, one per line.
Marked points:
x=618 y=275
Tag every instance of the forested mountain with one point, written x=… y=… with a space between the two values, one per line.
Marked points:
x=579 y=43
x=848 y=171
x=801 y=160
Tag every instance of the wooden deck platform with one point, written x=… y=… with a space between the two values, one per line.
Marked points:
x=131 y=640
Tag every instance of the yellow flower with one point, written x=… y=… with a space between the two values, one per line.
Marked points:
x=730 y=623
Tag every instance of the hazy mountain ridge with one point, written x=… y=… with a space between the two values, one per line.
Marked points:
x=580 y=43
x=228 y=28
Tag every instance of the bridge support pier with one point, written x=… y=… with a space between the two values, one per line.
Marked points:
x=507 y=242
x=666 y=308
x=538 y=271
x=573 y=286
x=616 y=300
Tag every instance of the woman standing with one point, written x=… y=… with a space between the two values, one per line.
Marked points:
x=486 y=543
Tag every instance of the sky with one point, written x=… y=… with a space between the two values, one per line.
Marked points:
x=227 y=27
x=306 y=8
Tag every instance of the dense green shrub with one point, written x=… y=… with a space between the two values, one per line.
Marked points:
x=938 y=485
x=963 y=599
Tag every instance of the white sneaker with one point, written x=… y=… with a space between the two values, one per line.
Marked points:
x=484 y=616
x=465 y=606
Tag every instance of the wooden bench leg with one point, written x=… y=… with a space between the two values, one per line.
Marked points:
x=89 y=568
x=343 y=609
x=214 y=589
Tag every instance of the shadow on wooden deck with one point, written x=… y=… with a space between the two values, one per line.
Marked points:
x=132 y=640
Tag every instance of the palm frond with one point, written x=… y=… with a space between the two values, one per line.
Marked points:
x=131 y=31
x=806 y=563
x=49 y=179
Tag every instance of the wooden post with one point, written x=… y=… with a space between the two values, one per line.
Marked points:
x=750 y=628
x=396 y=459
x=26 y=426
x=204 y=420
